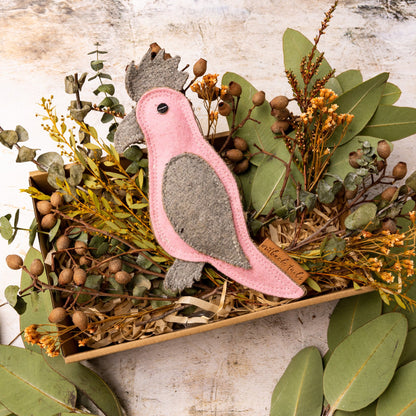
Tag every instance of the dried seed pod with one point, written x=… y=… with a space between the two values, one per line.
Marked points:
x=234 y=88
x=383 y=149
x=200 y=67
x=258 y=98
x=57 y=199
x=123 y=277
x=389 y=225
x=240 y=144
x=63 y=242
x=44 y=207
x=279 y=125
x=380 y=164
x=224 y=108
x=80 y=320
x=389 y=193
x=234 y=155
x=81 y=248
x=227 y=97
x=65 y=277
x=155 y=48
x=241 y=166
x=400 y=170
x=352 y=158
x=36 y=267
x=280 y=102
x=57 y=315
x=14 y=261
x=48 y=221
x=282 y=114
x=80 y=276
x=114 y=265
x=84 y=261
x=350 y=194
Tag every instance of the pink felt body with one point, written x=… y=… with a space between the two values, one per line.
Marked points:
x=173 y=133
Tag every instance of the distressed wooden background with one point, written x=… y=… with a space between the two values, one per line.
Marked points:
x=230 y=371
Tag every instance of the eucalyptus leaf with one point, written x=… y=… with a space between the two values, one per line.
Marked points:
x=410 y=312
x=24 y=375
x=349 y=79
x=367 y=411
x=400 y=397
x=333 y=247
x=361 y=217
x=391 y=123
x=350 y=314
x=409 y=350
x=22 y=134
x=334 y=85
x=8 y=138
x=25 y=154
x=106 y=118
x=362 y=366
x=295 y=47
x=5 y=412
x=54 y=230
x=71 y=86
x=11 y=294
x=106 y=88
x=87 y=382
x=390 y=95
x=75 y=174
x=56 y=174
x=33 y=232
x=50 y=158
x=133 y=153
x=299 y=390
x=37 y=309
x=6 y=230
x=79 y=114
x=325 y=192
x=362 y=102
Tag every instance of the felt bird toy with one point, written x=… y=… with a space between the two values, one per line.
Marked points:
x=195 y=207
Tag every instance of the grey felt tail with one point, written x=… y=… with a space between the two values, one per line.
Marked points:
x=182 y=274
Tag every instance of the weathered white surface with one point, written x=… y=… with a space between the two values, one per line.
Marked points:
x=230 y=371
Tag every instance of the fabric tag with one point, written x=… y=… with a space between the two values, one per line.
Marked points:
x=281 y=259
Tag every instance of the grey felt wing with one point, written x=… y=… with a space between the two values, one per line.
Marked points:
x=128 y=133
x=198 y=207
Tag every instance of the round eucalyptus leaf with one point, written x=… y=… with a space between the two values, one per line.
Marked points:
x=47 y=159
x=400 y=397
x=25 y=154
x=367 y=411
x=75 y=174
x=79 y=114
x=6 y=230
x=409 y=350
x=362 y=366
x=22 y=134
x=8 y=138
x=361 y=217
x=299 y=390
x=56 y=173
x=11 y=294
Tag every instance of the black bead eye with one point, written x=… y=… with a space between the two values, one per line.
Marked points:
x=162 y=108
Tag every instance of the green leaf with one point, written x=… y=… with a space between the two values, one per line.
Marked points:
x=133 y=153
x=295 y=47
x=106 y=88
x=349 y=79
x=391 y=123
x=28 y=387
x=8 y=138
x=362 y=102
x=299 y=391
x=6 y=230
x=56 y=174
x=361 y=217
x=50 y=158
x=54 y=230
x=89 y=383
x=11 y=294
x=97 y=64
x=332 y=247
x=106 y=118
x=33 y=232
x=37 y=309
x=5 y=412
x=390 y=95
x=350 y=314
x=367 y=411
x=25 y=154
x=334 y=85
x=22 y=134
x=409 y=350
x=362 y=366
x=410 y=313
x=75 y=174
x=108 y=102
x=269 y=178
x=400 y=397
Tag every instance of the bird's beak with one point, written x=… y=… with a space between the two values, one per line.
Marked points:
x=128 y=132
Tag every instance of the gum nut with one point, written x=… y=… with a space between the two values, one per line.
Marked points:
x=389 y=225
x=241 y=167
x=80 y=276
x=224 y=108
x=227 y=97
x=352 y=158
x=57 y=315
x=279 y=125
x=48 y=221
x=14 y=261
x=258 y=98
x=36 y=268
x=381 y=164
x=81 y=248
x=44 y=207
x=234 y=155
x=383 y=149
x=80 y=320
x=240 y=144
x=350 y=194
x=280 y=102
x=65 y=277
x=282 y=114
x=400 y=170
x=57 y=199
x=389 y=193
x=234 y=88
x=114 y=265
x=123 y=277
x=63 y=242
x=84 y=261
x=200 y=67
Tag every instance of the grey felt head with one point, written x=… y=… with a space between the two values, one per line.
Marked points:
x=153 y=71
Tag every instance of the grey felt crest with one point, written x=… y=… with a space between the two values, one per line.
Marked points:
x=153 y=71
